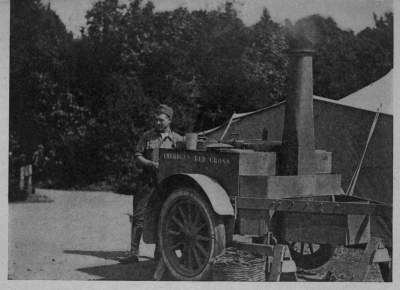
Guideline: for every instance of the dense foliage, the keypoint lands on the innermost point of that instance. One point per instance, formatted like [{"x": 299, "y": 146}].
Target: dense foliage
[
  {"x": 345, "y": 62},
  {"x": 88, "y": 99}
]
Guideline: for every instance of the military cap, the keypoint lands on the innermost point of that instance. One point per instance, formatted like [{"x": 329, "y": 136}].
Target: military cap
[{"x": 167, "y": 110}]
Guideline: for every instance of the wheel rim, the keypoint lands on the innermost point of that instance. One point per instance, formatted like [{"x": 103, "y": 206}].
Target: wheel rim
[{"x": 187, "y": 237}]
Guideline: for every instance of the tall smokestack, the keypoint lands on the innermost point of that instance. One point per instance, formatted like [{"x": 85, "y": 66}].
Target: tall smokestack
[{"x": 298, "y": 141}]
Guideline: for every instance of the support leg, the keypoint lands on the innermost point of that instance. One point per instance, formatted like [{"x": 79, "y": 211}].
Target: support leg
[
  {"x": 282, "y": 265},
  {"x": 276, "y": 267},
  {"x": 373, "y": 251}
]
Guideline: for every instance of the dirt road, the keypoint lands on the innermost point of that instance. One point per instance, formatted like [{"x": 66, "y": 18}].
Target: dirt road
[{"x": 79, "y": 236}]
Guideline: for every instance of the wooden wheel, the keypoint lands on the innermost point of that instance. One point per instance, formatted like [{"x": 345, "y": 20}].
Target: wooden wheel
[
  {"x": 308, "y": 255},
  {"x": 305, "y": 255},
  {"x": 190, "y": 234}
]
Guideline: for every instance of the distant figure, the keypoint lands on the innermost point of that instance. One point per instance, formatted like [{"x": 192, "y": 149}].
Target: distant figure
[
  {"x": 38, "y": 162},
  {"x": 147, "y": 150},
  {"x": 51, "y": 168},
  {"x": 25, "y": 177}
]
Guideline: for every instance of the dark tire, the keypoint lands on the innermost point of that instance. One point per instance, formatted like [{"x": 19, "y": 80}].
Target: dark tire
[
  {"x": 309, "y": 256},
  {"x": 190, "y": 234}
]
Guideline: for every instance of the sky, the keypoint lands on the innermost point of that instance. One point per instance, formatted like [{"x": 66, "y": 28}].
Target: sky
[{"x": 349, "y": 14}]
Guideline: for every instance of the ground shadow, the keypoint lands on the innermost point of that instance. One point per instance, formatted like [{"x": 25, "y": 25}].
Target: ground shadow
[
  {"x": 142, "y": 271},
  {"x": 107, "y": 255}
]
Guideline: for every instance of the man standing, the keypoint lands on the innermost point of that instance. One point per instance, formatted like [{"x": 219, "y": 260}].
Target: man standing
[
  {"x": 38, "y": 162},
  {"x": 146, "y": 154}
]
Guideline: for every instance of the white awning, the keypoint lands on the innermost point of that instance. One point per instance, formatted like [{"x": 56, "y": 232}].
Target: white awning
[{"x": 373, "y": 96}]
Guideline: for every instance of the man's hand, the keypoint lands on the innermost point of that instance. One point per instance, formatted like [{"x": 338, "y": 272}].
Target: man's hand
[
  {"x": 155, "y": 165},
  {"x": 152, "y": 164},
  {"x": 147, "y": 163}
]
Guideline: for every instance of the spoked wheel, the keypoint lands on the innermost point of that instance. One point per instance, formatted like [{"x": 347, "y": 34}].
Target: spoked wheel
[
  {"x": 308, "y": 255},
  {"x": 190, "y": 234}
]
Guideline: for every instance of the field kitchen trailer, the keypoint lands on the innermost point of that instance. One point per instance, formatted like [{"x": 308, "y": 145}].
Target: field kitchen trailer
[{"x": 285, "y": 191}]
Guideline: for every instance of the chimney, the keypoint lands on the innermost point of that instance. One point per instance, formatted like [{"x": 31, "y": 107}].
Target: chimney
[{"x": 297, "y": 156}]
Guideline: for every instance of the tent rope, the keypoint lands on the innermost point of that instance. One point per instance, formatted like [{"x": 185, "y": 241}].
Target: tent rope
[{"x": 353, "y": 181}]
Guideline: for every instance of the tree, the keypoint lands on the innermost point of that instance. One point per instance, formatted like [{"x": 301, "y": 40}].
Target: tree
[
  {"x": 39, "y": 72},
  {"x": 91, "y": 98},
  {"x": 375, "y": 52},
  {"x": 265, "y": 62},
  {"x": 335, "y": 74},
  {"x": 109, "y": 61},
  {"x": 345, "y": 62}
]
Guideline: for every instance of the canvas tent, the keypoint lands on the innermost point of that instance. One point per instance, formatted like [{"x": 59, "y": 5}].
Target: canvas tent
[
  {"x": 379, "y": 93},
  {"x": 341, "y": 127}
]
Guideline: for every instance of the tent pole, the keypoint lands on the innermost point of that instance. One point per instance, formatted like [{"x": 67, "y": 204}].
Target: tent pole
[
  {"x": 350, "y": 189},
  {"x": 227, "y": 128}
]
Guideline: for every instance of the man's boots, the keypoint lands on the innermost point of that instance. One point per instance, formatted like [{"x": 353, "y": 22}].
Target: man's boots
[
  {"x": 157, "y": 253},
  {"x": 136, "y": 235}
]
